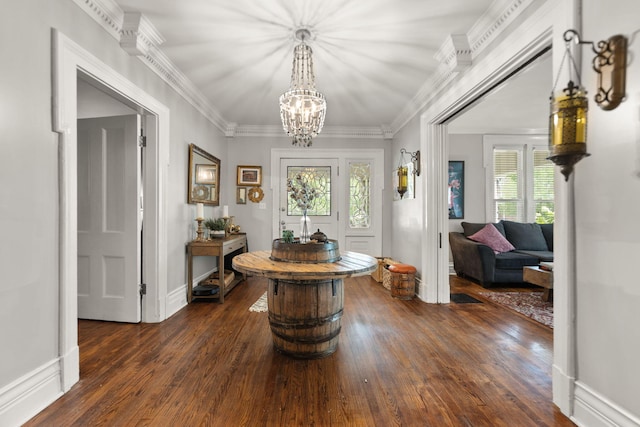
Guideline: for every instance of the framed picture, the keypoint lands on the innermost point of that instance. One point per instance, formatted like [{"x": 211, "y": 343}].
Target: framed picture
[
  {"x": 249, "y": 176},
  {"x": 206, "y": 174},
  {"x": 241, "y": 196},
  {"x": 456, "y": 189}
]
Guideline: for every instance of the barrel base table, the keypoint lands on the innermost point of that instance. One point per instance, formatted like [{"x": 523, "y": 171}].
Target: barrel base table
[{"x": 306, "y": 301}]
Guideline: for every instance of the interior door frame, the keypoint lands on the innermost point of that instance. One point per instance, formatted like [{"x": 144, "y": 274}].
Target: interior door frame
[
  {"x": 68, "y": 60},
  {"x": 542, "y": 29}
]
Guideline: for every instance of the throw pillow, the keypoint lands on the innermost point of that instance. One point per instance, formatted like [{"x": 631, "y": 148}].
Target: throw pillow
[
  {"x": 473, "y": 227},
  {"x": 491, "y": 237},
  {"x": 525, "y": 236}
]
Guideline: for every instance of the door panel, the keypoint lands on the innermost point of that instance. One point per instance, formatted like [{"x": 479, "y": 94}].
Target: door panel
[
  {"x": 109, "y": 226},
  {"x": 324, "y": 219}
]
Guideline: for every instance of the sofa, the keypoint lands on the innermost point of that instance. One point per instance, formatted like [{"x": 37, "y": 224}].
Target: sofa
[{"x": 495, "y": 253}]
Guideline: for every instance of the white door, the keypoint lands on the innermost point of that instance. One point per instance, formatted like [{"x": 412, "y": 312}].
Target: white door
[
  {"x": 322, "y": 174},
  {"x": 109, "y": 219}
]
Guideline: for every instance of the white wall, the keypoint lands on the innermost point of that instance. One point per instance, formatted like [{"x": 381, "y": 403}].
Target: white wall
[
  {"x": 607, "y": 195},
  {"x": 257, "y": 151},
  {"x": 468, "y": 148},
  {"x": 407, "y": 214},
  {"x": 29, "y": 253}
]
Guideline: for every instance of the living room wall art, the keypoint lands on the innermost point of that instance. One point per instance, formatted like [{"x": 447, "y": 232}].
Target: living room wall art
[{"x": 456, "y": 189}]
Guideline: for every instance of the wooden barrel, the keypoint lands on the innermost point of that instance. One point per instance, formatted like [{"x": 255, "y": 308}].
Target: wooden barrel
[
  {"x": 305, "y": 252},
  {"x": 305, "y": 316}
]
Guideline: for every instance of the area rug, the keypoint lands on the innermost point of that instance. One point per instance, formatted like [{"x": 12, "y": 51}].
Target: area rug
[
  {"x": 528, "y": 303},
  {"x": 260, "y": 305}
]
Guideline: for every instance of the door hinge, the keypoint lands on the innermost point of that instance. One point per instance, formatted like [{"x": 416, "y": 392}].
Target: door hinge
[
  {"x": 143, "y": 289},
  {"x": 142, "y": 141}
]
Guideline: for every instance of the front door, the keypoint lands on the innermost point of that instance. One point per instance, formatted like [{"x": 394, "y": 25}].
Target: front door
[
  {"x": 322, "y": 175},
  {"x": 109, "y": 219}
]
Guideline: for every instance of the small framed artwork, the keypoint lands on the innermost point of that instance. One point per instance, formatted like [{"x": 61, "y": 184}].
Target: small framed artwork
[
  {"x": 241, "y": 196},
  {"x": 249, "y": 176},
  {"x": 456, "y": 189}
]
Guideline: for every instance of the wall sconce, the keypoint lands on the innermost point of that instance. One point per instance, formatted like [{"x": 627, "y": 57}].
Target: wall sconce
[
  {"x": 568, "y": 118},
  {"x": 403, "y": 170}
]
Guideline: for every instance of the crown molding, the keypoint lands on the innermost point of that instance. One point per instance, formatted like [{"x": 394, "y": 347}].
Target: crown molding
[
  {"x": 111, "y": 17},
  {"x": 137, "y": 36},
  {"x": 487, "y": 28},
  {"x": 107, "y": 13},
  {"x": 341, "y": 132}
]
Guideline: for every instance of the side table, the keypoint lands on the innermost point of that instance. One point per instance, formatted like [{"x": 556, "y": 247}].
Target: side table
[{"x": 218, "y": 248}]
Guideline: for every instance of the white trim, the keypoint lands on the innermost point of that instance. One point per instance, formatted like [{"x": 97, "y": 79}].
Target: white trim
[
  {"x": 543, "y": 26},
  {"x": 68, "y": 57},
  {"x": 595, "y": 410},
  {"x": 30, "y": 394}
]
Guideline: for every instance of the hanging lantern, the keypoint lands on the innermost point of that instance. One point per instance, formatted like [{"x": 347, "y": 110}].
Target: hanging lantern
[
  {"x": 568, "y": 128},
  {"x": 403, "y": 179}
]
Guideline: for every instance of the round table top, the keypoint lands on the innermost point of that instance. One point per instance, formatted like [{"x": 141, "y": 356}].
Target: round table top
[{"x": 258, "y": 263}]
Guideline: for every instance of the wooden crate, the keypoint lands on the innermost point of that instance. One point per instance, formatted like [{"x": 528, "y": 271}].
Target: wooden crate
[{"x": 377, "y": 274}]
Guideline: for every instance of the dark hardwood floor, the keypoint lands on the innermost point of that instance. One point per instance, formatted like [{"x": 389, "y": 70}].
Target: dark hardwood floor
[{"x": 398, "y": 363}]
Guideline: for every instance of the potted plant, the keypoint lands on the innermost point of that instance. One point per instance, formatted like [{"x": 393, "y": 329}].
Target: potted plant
[{"x": 217, "y": 227}]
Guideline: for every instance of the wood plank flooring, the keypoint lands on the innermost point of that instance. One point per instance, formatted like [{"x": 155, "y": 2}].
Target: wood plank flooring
[{"x": 398, "y": 363}]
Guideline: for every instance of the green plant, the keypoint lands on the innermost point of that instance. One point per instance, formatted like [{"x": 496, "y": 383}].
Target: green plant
[{"x": 215, "y": 224}]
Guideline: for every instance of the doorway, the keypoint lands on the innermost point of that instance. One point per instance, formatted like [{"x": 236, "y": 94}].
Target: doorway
[
  {"x": 69, "y": 62},
  {"x": 357, "y": 186}
]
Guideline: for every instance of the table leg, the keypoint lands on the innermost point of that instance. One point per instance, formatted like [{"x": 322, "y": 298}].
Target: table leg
[
  {"x": 547, "y": 295},
  {"x": 221, "y": 277}
]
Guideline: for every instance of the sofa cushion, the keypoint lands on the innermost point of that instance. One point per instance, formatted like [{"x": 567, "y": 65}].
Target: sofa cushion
[
  {"x": 541, "y": 255},
  {"x": 514, "y": 261},
  {"x": 473, "y": 227},
  {"x": 526, "y": 236},
  {"x": 547, "y": 231},
  {"x": 490, "y": 236}
]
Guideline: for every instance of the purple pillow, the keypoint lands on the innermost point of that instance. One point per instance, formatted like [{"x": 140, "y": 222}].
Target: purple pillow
[{"x": 490, "y": 236}]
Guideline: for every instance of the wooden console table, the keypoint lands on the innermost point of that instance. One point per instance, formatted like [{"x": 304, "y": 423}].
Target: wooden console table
[{"x": 218, "y": 248}]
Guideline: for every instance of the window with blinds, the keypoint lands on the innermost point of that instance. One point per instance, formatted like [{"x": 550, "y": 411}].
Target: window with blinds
[
  {"x": 521, "y": 186},
  {"x": 543, "y": 187},
  {"x": 508, "y": 180}
]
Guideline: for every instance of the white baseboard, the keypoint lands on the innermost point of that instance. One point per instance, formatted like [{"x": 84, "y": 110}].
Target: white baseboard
[
  {"x": 22, "y": 399},
  {"x": 594, "y": 410},
  {"x": 177, "y": 299},
  {"x": 452, "y": 271}
]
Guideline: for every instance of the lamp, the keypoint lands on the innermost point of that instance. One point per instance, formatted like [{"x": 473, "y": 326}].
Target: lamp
[
  {"x": 403, "y": 170},
  {"x": 568, "y": 117},
  {"x": 302, "y": 108}
]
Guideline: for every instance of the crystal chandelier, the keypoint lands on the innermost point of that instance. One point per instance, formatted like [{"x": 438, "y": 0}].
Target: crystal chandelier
[{"x": 302, "y": 108}]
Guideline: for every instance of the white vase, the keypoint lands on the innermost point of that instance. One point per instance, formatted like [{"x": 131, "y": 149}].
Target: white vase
[{"x": 305, "y": 228}]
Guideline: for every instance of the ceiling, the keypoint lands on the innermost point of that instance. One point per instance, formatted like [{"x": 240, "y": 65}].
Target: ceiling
[{"x": 371, "y": 58}]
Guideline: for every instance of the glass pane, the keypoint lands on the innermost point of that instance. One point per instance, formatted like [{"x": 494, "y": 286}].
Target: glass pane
[
  {"x": 511, "y": 210},
  {"x": 545, "y": 212},
  {"x": 359, "y": 195},
  {"x": 507, "y": 174},
  {"x": 317, "y": 177}
]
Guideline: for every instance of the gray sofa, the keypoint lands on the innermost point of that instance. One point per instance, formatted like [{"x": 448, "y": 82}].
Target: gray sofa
[{"x": 533, "y": 243}]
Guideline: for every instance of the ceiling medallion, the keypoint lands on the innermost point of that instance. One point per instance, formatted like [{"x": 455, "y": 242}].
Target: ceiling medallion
[{"x": 302, "y": 108}]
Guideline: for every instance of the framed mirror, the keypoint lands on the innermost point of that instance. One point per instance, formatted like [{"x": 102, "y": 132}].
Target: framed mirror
[{"x": 204, "y": 177}]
